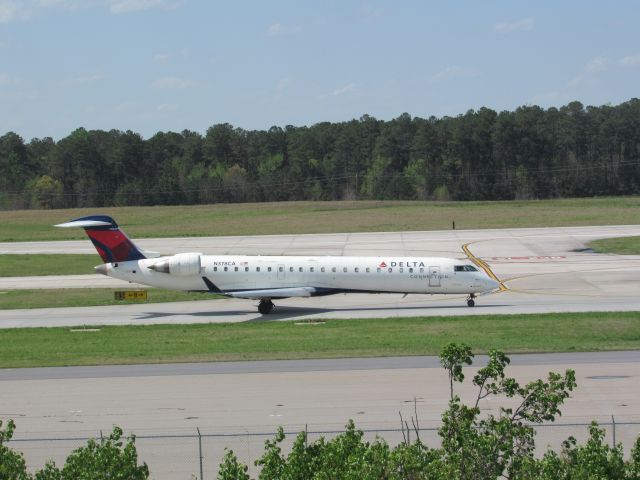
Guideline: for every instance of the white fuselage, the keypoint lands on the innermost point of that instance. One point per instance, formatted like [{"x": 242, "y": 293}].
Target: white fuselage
[{"x": 288, "y": 276}]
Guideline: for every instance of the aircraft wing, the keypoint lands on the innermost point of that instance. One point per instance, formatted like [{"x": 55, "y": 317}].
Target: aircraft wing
[{"x": 274, "y": 293}]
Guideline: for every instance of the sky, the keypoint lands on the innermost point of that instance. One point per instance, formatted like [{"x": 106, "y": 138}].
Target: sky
[{"x": 170, "y": 65}]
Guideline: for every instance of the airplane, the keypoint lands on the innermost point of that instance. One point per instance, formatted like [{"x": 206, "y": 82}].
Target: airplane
[{"x": 266, "y": 278}]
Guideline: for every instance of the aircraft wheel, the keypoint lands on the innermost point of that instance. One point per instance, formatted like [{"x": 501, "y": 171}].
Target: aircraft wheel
[
  {"x": 265, "y": 306},
  {"x": 470, "y": 302}
]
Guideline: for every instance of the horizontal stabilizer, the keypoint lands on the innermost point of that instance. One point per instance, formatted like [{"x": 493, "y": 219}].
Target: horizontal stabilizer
[
  {"x": 274, "y": 293},
  {"x": 84, "y": 224}
]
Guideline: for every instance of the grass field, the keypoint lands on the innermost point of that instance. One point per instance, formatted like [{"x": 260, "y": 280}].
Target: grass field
[
  {"x": 30, "y": 347},
  {"x": 621, "y": 245},
  {"x": 44, "y": 264},
  {"x": 86, "y": 297},
  {"x": 324, "y": 217}
]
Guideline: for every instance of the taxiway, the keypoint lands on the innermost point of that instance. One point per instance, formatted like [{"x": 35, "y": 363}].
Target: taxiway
[{"x": 545, "y": 270}]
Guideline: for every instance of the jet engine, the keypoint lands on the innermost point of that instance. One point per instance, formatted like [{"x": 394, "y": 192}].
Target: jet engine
[{"x": 181, "y": 265}]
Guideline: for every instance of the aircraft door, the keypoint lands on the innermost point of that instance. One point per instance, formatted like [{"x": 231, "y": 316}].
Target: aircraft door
[
  {"x": 280, "y": 272},
  {"x": 434, "y": 276}
]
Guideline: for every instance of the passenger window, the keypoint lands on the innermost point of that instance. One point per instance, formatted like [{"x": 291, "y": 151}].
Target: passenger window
[
  {"x": 356, "y": 269},
  {"x": 236, "y": 269},
  {"x": 311, "y": 269},
  {"x": 281, "y": 269},
  {"x": 300, "y": 269},
  {"x": 411, "y": 270},
  {"x": 246, "y": 269},
  {"x": 269, "y": 268},
  {"x": 390, "y": 269},
  {"x": 344, "y": 269},
  {"x": 215, "y": 269},
  {"x": 368, "y": 269},
  {"x": 421, "y": 270},
  {"x": 291, "y": 269},
  {"x": 225, "y": 269},
  {"x": 322, "y": 269},
  {"x": 379, "y": 269},
  {"x": 401, "y": 269},
  {"x": 333, "y": 269},
  {"x": 257, "y": 269}
]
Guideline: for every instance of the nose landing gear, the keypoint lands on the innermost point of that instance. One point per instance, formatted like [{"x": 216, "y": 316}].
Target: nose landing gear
[
  {"x": 470, "y": 300},
  {"x": 265, "y": 306}
]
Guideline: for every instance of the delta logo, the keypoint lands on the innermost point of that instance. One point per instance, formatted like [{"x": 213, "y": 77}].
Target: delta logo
[{"x": 404, "y": 263}]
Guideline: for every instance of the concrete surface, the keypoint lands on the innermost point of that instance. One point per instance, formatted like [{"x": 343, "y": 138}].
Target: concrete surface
[
  {"x": 436, "y": 242},
  {"x": 243, "y": 407},
  {"x": 541, "y": 267},
  {"x": 61, "y": 281}
]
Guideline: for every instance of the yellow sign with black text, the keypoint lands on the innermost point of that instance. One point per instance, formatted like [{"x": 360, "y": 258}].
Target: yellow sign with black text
[{"x": 131, "y": 295}]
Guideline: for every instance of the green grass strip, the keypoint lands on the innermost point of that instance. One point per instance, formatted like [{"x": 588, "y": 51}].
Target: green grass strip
[
  {"x": 31, "y": 347},
  {"x": 88, "y": 297},
  {"x": 47, "y": 264},
  {"x": 619, "y": 245},
  {"x": 323, "y": 217}
]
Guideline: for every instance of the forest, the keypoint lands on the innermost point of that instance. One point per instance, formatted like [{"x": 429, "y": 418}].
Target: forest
[{"x": 528, "y": 153}]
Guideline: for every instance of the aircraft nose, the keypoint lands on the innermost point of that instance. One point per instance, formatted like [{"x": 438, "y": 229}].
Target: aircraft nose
[
  {"x": 102, "y": 269},
  {"x": 492, "y": 284}
]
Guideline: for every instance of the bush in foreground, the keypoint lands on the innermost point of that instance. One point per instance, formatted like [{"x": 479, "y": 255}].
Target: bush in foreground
[
  {"x": 12, "y": 464},
  {"x": 472, "y": 446},
  {"x": 108, "y": 458}
]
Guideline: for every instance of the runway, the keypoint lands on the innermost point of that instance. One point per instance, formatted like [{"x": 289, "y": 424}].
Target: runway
[
  {"x": 240, "y": 404},
  {"x": 545, "y": 269}
]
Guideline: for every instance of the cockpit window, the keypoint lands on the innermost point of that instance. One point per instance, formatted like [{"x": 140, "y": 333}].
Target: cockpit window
[{"x": 464, "y": 268}]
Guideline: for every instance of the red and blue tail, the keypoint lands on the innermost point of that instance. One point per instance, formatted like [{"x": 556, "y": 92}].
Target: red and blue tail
[{"x": 111, "y": 243}]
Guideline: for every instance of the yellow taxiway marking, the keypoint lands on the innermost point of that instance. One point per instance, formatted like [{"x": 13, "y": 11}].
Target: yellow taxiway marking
[{"x": 484, "y": 266}]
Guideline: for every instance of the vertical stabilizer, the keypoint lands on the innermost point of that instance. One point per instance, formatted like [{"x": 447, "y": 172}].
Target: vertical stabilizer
[{"x": 111, "y": 243}]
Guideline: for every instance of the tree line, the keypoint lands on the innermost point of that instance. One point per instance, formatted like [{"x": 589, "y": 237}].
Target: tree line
[{"x": 529, "y": 153}]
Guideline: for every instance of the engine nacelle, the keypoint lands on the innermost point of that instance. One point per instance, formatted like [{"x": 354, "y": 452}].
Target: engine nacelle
[{"x": 181, "y": 265}]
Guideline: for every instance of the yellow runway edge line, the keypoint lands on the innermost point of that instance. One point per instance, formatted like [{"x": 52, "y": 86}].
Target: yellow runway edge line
[{"x": 484, "y": 266}]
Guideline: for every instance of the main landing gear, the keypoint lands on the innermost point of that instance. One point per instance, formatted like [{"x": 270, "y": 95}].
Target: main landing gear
[
  {"x": 470, "y": 300},
  {"x": 265, "y": 306}
]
